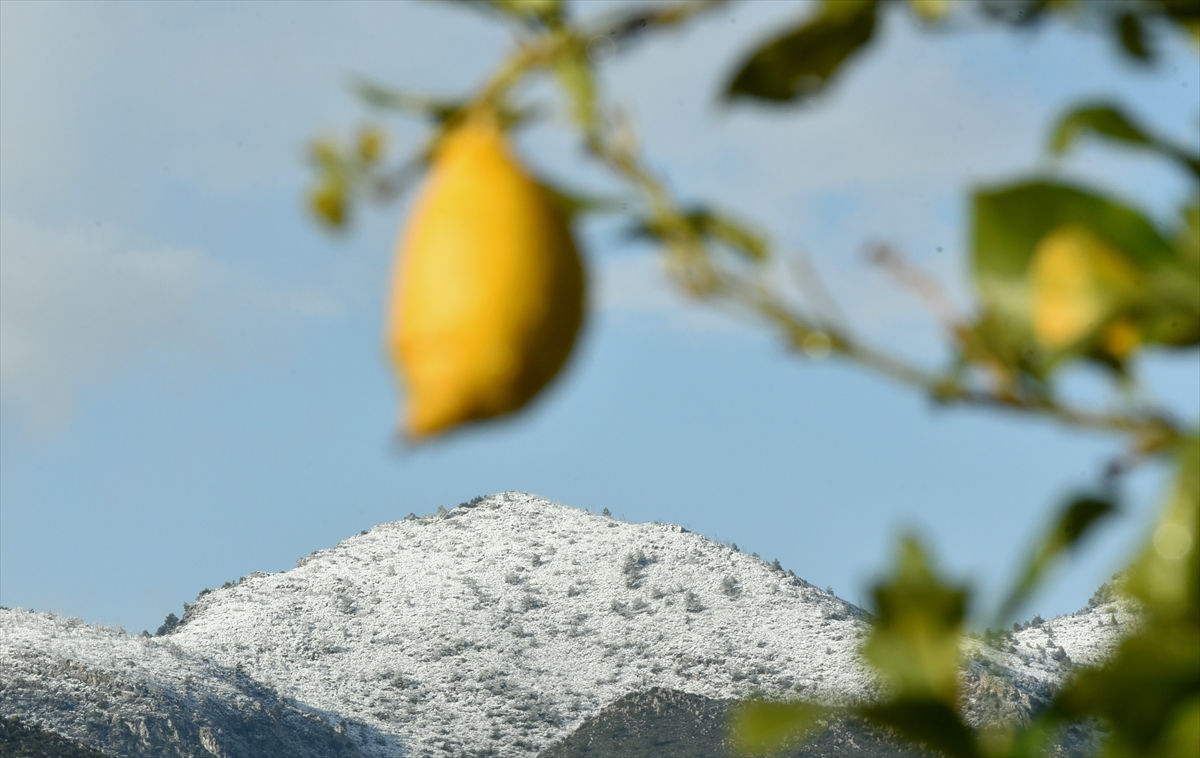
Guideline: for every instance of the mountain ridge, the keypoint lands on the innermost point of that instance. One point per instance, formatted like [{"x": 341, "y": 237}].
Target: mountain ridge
[{"x": 496, "y": 628}]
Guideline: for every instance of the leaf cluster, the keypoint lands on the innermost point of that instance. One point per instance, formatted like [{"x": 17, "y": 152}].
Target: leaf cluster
[{"x": 1064, "y": 274}]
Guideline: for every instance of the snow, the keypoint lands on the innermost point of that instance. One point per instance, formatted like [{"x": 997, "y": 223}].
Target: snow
[
  {"x": 504, "y": 625},
  {"x": 499, "y": 626}
]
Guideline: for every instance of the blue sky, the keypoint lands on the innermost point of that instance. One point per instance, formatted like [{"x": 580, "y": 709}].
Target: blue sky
[{"x": 191, "y": 376}]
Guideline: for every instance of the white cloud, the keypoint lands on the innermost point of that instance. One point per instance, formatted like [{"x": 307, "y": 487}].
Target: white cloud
[
  {"x": 78, "y": 305},
  {"x": 221, "y": 100}
]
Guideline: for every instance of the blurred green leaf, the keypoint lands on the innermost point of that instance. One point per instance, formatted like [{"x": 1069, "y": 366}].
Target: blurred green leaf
[
  {"x": 1187, "y": 240},
  {"x": 803, "y": 61},
  {"x": 546, "y": 11},
  {"x": 371, "y": 146},
  {"x": 1131, "y": 33},
  {"x": 327, "y": 200},
  {"x": 930, "y": 722},
  {"x": 1100, "y": 118},
  {"x": 1042, "y": 736},
  {"x": 328, "y": 203},
  {"x": 763, "y": 727},
  {"x": 1146, "y": 692},
  {"x": 914, "y": 643},
  {"x": 342, "y": 172},
  {"x": 1106, "y": 120},
  {"x": 931, "y": 11},
  {"x": 1149, "y": 691},
  {"x": 1175, "y": 287},
  {"x": 574, "y": 72},
  {"x": 1018, "y": 12},
  {"x": 538, "y": 13},
  {"x": 1075, "y": 520},
  {"x": 1184, "y": 13},
  {"x": 1166, "y": 577}
]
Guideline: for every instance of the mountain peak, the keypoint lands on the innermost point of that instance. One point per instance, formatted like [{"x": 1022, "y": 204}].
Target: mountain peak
[
  {"x": 493, "y": 628},
  {"x": 501, "y": 623}
]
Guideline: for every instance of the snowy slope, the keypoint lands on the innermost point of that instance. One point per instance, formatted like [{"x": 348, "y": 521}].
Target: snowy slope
[
  {"x": 494, "y": 629},
  {"x": 499, "y": 627},
  {"x": 144, "y": 696},
  {"x": 1011, "y": 679}
]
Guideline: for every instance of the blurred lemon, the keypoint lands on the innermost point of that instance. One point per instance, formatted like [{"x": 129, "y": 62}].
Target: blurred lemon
[
  {"x": 488, "y": 290},
  {"x": 1079, "y": 284}
]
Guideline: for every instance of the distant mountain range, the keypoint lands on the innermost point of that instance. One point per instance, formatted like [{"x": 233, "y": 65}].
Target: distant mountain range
[{"x": 509, "y": 626}]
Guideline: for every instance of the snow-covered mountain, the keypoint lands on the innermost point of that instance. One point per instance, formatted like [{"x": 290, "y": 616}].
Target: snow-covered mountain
[{"x": 495, "y": 628}]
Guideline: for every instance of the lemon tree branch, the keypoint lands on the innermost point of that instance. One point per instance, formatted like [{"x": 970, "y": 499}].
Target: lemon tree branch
[{"x": 694, "y": 266}]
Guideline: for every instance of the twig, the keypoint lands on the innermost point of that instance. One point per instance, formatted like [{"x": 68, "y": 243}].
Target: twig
[
  {"x": 701, "y": 275},
  {"x": 805, "y": 275},
  {"x": 632, "y": 24},
  {"x": 921, "y": 283}
]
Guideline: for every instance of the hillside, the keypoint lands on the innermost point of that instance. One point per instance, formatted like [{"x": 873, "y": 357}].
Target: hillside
[
  {"x": 500, "y": 626},
  {"x": 496, "y": 628},
  {"x": 662, "y": 723}
]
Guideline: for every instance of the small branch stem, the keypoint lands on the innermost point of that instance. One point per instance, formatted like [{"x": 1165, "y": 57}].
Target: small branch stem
[{"x": 698, "y": 271}]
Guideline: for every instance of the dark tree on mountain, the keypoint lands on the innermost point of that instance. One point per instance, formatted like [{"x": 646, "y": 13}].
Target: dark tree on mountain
[{"x": 168, "y": 625}]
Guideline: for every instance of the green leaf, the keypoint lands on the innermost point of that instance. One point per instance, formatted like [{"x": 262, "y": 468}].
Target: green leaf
[
  {"x": 372, "y": 143},
  {"x": 1075, "y": 520},
  {"x": 328, "y": 200},
  {"x": 930, "y": 722},
  {"x": 1149, "y": 690},
  {"x": 1042, "y": 736},
  {"x": 1187, "y": 240},
  {"x": 1166, "y": 576},
  {"x": 803, "y": 61},
  {"x": 1185, "y": 14},
  {"x": 1132, "y": 36},
  {"x": 535, "y": 13},
  {"x": 1100, "y": 118},
  {"x": 342, "y": 175},
  {"x": 546, "y": 11},
  {"x": 931, "y": 11},
  {"x": 1144, "y": 692},
  {"x": 1177, "y": 286},
  {"x": 328, "y": 203},
  {"x": 574, "y": 73},
  {"x": 914, "y": 644},
  {"x": 763, "y": 726},
  {"x": 1018, "y": 12},
  {"x": 1106, "y": 120}
]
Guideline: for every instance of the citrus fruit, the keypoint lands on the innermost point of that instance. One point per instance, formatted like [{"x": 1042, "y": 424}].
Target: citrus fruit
[
  {"x": 488, "y": 290},
  {"x": 1080, "y": 283}
]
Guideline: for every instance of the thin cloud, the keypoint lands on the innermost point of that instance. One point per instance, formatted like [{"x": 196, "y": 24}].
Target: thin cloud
[{"x": 79, "y": 305}]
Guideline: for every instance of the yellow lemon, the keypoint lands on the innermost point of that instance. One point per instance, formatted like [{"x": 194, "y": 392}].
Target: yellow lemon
[
  {"x": 488, "y": 289},
  {"x": 1079, "y": 282}
]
